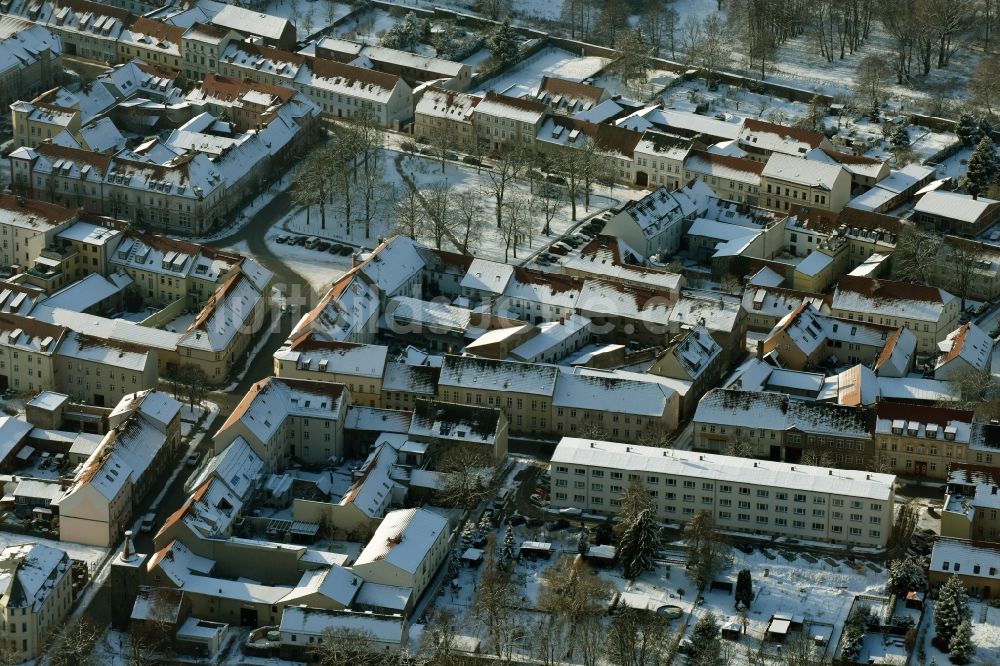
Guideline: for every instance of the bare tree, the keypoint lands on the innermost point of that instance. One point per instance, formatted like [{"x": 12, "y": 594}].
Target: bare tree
[
  {"x": 637, "y": 638},
  {"x": 984, "y": 84},
  {"x": 409, "y": 214},
  {"x": 443, "y": 141},
  {"x": 573, "y": 594},
  {"x": 961, "y": 260},
  {"x": 548, "y": 200},
  {"x": 344, "y": 647},
  {"x": 915, "y": 255},
  {"x": 509, "y": 166},
  {"x": 469, "y": 210},
  {"x": 471, "y": 477},
  {"x": 74, "y": 646},
  {"x": 495, "y": 605},
  {"x": 516, "y": 225},
  {"x": 907, "y": 516},
  {"x": 869, "y": 81},
  {"x": 705, "y": 553},
  {"x": 439, "y": 638},
  {"x": 817, "y": 458},
  {"x": 440, "y": 199}
]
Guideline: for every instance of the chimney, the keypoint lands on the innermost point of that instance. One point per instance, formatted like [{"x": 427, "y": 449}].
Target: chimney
[{"x": 128, "y": 548}]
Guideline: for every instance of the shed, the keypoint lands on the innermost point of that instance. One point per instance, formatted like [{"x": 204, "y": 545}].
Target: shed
[
  {"x": 600, "y": 555},
  {"x": 472, "y": 557},
  {"x": 536, "y": 549}
]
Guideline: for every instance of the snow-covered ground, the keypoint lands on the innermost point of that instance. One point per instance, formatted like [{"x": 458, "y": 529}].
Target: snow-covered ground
[
  {"x": 366, "y": 27},
  {"x": 550, "y": 61},
  {"x": 308, "y": 16},
  {"x": 985, "y": 635}
]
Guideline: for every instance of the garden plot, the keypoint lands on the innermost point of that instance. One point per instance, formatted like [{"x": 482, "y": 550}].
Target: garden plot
[
  {"x": 985, "y": 635},
  {"x": 366, "y": 27},
  {"x": 525, "y": 77}
]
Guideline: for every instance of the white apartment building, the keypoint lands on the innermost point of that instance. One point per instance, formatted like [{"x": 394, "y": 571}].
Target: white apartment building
[{"x": 744, "y": 495}]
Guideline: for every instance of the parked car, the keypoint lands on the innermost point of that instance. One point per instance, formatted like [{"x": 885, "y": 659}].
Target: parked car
[
  {"x": 281, "y": 239},
  {"x": 323, "y": 246},
  {"x": 192, "y": 459},
  {"x": 346, "y": 250},
  {"x": 148, "y": 521},
  {"x": 336, "y": 248},
  {"x": 983, "y": 307},
  {"x": 299, "y": 240},
  {"x": 561, "y": 251}
]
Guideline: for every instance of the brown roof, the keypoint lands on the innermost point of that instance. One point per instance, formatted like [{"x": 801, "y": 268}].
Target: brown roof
[
  {"x": 97, "y": 8},
  {"x": 33, "y": 327},
  {"x": 99, "y": 161},
  {"x": 54, "y": 213},
  {"x": 922, "y": 413},
  {"x": 888, "y": 349},
  {"x": 878, "y": 288},
  {"x": 737, "y": 163},
  {"x": 608, "y": 137},
  {"x": 762, "y": 126},
  {"x": 308, "y": 342},
  {"x": 331, "y": 69},
  {"x": 572, "y": 89},
  {"x": 209, "y": 29},
  {"x": 848, "y": 158},
  {"x": 957, "y": 343},
  {"x": 229, "y": 89},
  {"x": 554, "y": 281},
  {"x": 516, "y": 102},
  {"x": 158, "y": 29}
]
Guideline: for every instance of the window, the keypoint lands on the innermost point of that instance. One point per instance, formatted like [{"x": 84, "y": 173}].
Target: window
[
  {"x": 689, "y": 484},
  {"x": 800, "y": 498},
  {"x": 818, "y": 527},
  {"x": 780, "y": 522},
  {"x": 653, "y": 479},
  {"x": 744, "y": 491},
  {"x": 762, "y": 493},
  {"x": 743, "y": 517},
  {"x": 725, "y": 489}
]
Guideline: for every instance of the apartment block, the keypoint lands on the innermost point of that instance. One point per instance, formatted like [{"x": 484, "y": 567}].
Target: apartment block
[{"x": 745, "y": 495}]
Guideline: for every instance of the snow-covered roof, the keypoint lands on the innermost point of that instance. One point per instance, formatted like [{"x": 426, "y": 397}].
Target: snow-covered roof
[
  {"x": 599, "y": 297},
  {"x": 403, "y": 539},
  {"x": 441, "y": 103},
  {"x": 707, "y": 466},
  {"x": 88, "y": 233},
  {"x": 512, "y": 108},
  {"x": 270, "y": 401},
  {"x": 550, "y": 335},
  {"x": 346, "y": 358},
  {"x": 489, "y": 276},
  {"x": 884, "y": 297},
  {"x": 661, "y": 209},
  {"x": 927, "y": 423},
  {"x": 404, "y": 377},
  {"x": 490, "y": 375},
  {"x": 224, "y": 315},
  {"x": 952, "y": 205},
  {"x": 238, "y": 466},
  {"x": 695, "y": 351},
  {"x": 803, "y": 172},
  {"x": 88, "y": 292},
  {"x": 337, "y": 584},
  {"x": 113, "y": 330},
  {"x": 393, "y": 264},
  {"x": 714, "y": 311},
  {"x": 774, "y": 138},
  {"x": 732, "y": 240},
  {"x": 22, "y": 43},
  {"x": 682, "y": 121},
  {"x": 917, "y": 388},
  {"x": 373, "y": 419},
  {"x": 32, "y": 577},
  {"x": 372, "y": 490},
  {"x": 966, "y": 558},
  {"x": 389, "y": 597},
  {"x": 546, "y": 288},
  {"x": 765, "y": 277},
  {"x": 814, "y": 263},
  {"x": 39, "y": 489},
  {"x": 776, "y": 411},
  {"x": 724, "y": 167},
  {"x": 611, "y": 394},
  {"x": 256, "y": 23},
  {"x": 403, "y": 313},
  {"x": 316, "y": 622},
  {"x": 13, "y": 431},
  {"x": 968, "y": 343},
  {"x": 98, "y": 350}
]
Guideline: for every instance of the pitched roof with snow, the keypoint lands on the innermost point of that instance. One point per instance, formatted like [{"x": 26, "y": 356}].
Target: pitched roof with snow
[
  {"x": 954, "y": 206},
  {"x": 28, "y": 574},
  {"x": 770, "y": 137},
  {"x": 489, "y": 375},
  {"x": 270, "y": 401},
  {"x": 403, "y": 539},
  {"x": 860, "y": 294},
  {"x": 802, "y": 172},
  {"x": 776, "y": 411},
  {"x": 968, "y": 343},
  {"x": 611, "y": 394}
]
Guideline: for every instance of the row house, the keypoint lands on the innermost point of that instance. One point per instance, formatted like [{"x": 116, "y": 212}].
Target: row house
[
  {"x": 930, "y": 313},
  {"x": 414, "y": 68},
  {"x": 36, "y": 582},
  {"x": 445, "y": 118},
  {"x": 157, "y": 43},
  {"x": 731, "y": 178},
  {"x": 202, "y": 45},
  {"x": 28, "y": 227},
  {"x": 779, "y": 427},
  {"x": 760, "y": 140},
  {"x": 653, "y": 224},
  {"x": 613, "y": 147},
  {"x": 766, "y": 305},
  {"x": 501, "y": 119},
  {"x": 921, "y": 441},
  {"x": 273, "y": 31},
  {"x": 788, "y": 183},
  {"x": 975, "y": 563},
  {"x": 359, "y": 367}
]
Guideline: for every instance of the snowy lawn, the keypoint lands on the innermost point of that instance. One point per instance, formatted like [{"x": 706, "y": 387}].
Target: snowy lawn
[
  {"x": 985, "y": 635},
  {"x": 305, "y": 14}
]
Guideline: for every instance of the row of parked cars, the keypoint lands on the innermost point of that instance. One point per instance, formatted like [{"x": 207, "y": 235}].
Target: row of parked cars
[
  {"x": 567, "y": 244},
  {"x": 314, "y": 243}
]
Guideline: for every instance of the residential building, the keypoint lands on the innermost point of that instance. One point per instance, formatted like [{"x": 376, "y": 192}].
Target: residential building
[
  {"x": 760, "y": 140},
  {"x": 921, "y": 441},
  {"x": 406, "y": 550},
  {"x": 976, "y": 563},
  {"x": 745, "y": 495},
  {"x": 563, "y": 137},
  {"x": 359, "y": 367},
  {"x": 36, "y": 594},
  {"x": 622, "y": 408},
  {"x": 955, "y": 213},
  {"x": 972, "y": 501},
  {"x": 289, "y": 419},
  {"x": 930, "y": 313},
  {"x": 966, "y": 351},
  {"x": 653, "y": 224},
  {"x": 788, "y": 183},
  {"x": 155, "y": 42},
  {"x": 414, "y": 68},
  {"x": 806, "y": 339},
  {"x": 779, "y": 427},
  {"x": 568, "y": 97},
  {"x": 29, "y": 59},
  {"x": 447, "y": 427},
  {"x": 28, "y": 227},
  {"x": 302, "y": 629},
  {"x": 610, "y": 259},
  {"x": 731, "y": 178},
  {"x": 766, "y": 305},
  {"x": 445, "y": 119},
  {"x": 523, "y": 390},
  {"x": 202, "y": 45},
  {"x": 692, "y": 356},
  {"x": 501, "y": 120},
  {"x": 273, "y": 31}
]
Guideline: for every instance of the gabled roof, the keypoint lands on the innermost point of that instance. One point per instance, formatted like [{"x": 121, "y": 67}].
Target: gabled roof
[
  {"x": 403, "y": 539},
  {"x": 771, "y": 137},
  {"x": 803, "y": 172}
]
